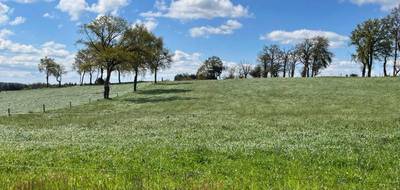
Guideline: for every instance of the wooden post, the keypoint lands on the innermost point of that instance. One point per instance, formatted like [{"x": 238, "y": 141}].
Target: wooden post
[
  {"x": 44, "y": 108},
  {"x": 9, "y": 112},
  {"x": 90, "y": 100},
  {"x": 70, "y": 105},
  {"x": 117, "y": 94}
]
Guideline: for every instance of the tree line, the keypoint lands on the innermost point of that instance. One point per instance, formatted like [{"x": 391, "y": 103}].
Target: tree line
[
  {"x": 378, "y": 40},
  {"x": 111, "y": 44}
]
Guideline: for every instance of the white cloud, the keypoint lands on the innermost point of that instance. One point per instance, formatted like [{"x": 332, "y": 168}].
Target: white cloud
[
  {"x": 385, "y": 4},
  {"x": 293, "y": 37},
  {"x": 198, "y": 9},
  {"x": 4, "y": 12},
  {"x": 108, "y": 6},
  {"x": 342, "y": 68},
  {"x": 149, "y": 23},
  {"x": 18, "y": 20},
  {"x": 4, "y": 33},
  {"x": 228, "y": 28},
  {"x": 74, "y": 8},
  {"x": 48, "y": 15}
]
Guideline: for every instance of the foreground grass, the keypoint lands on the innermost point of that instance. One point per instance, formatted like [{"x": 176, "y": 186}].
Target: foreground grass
[
  {"x": 29, "y": 101},
  {"x": 241, "y": 134}
]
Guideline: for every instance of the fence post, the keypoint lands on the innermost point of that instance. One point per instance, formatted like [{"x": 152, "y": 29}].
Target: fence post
[
  {"x": 90, "y": 100},
  {"x": 44, "y": 108},
  {"x": 70, "y": 105},
  {"x": 9, "y": 112}
]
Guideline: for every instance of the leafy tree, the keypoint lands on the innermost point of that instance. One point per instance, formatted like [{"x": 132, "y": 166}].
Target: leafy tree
[
  {"x": 59, "y": 71},
  {"x": 321, "y": 56},
  {"x": 139, "y": 45},
  {"x": 161, "y": 58},
  {"x": 304, "y": 54},
  {"x": 47, "y": 65},
  {"x": 103, "y": 36},
  {"x": 369, "y": 39},
  {"x": 211, "y": 69},
  {"x": 257, "y": 71},
  {"x": 292, "y": 62},
  {"x": 85, "y": 62},
  {"x": 270, "y": 58},
  {"x": 393, "y": 26}
]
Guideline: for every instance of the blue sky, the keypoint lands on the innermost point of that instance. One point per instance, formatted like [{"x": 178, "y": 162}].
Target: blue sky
[{"x": 235, "y": 30}]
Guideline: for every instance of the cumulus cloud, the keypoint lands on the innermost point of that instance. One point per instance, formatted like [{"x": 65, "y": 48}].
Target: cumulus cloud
[
  {"x": 385, "y": 4},
  {"x": 18, "y": 20},
  {"x": 228, "y": 28},
  {"x": 48, "y": 15},
  {"x": 25, "y": 57},
  {"x": 149, "y": 23},
  {"x": 293, "y": 37},
  {"x": 77, "y": 7},
  {"x": 198, "y": 9},
  {"x": 73, "y": 8}
]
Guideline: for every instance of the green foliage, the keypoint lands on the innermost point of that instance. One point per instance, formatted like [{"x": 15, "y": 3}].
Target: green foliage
[
  {"x": 322, "y": 133},
  {"x": 211, "y": 69}
]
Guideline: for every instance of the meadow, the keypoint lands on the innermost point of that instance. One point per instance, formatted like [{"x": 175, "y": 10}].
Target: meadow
[
  {"x": 334, "y": 133},
  {"x": 31, "y": 101}
]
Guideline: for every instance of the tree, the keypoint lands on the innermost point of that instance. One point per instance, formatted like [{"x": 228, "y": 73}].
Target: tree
[
  {"x": 393, "y": 24},
  {"x": 47, "y": 65},
  {"x": 161, "y": 58},
  {"x": 270, "y": 59},
  {"x": 85, "y": 62},
  {"x": 256, "y": 72},
  {"x": 231, "y": 72},
  {"x": 292, "y": 63},
  {"x": 139, "y": 45},
  {"x": 211, "y": 69},
  {"x": 59, "y": 71},
  {"x": 102, "y": 35},
  {"x": 244, "y": 69},
  {"x": 321, "y": 56},
  {"x": 304, "y": 54},
  {"x": 369, "y": 41}
]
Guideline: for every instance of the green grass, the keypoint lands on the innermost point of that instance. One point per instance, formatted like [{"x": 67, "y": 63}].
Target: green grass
[
  {"x": 28, "y": 101},
  {"x": 333, "y": 133}
]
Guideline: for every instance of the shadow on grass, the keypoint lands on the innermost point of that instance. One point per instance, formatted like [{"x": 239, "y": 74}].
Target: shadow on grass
[
  {"x": 163, "y": 91},
  {"x": 157, "y": 99},
  {"x": 174, "y": 83}
]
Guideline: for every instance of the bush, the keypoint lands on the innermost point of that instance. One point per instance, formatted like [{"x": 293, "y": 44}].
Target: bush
[
  {"x": 99, "y": 81},
  {"x": 11, "y": 86},
  {"x": 185, "y": 76}
]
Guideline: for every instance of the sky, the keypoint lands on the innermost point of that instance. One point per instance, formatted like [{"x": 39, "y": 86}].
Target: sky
[{"x": 193, "y": 30}]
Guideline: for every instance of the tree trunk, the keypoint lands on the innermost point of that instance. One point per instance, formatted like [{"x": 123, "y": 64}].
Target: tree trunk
[
  {"x": 395, "y": 57},
  {"x": 135, "y": 80},
  {"x": 107, "y": 85},
  {"x": 47, "y": 80},
  {"x": 305, "y": 70},
  {"x": 101, "y": 73},
  {"x": 384, "y": 67},
  {"x": 119, "y": 76},
  {"x": 284, "y": 69},
  {"x": 83, "y": 78},
  {"x": 90, "y": 78},
  {"x": 155, "y": 76},
  {"x": 370, "y": 65},
  {"x": 364, "y": 70},
  {"x": 293, "y": 70}
]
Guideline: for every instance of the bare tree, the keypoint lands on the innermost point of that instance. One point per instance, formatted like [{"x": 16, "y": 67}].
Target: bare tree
[{"x": 245, "y": 69}]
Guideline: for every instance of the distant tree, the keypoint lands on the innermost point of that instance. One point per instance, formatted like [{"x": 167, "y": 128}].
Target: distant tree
[
  {"x": 231, "y": 72},
  {"x": 393, "y": 28},
  {"x": 304, "y": 53},
  {"x": 270, "y": 58},
  {"x": 59, "y": 71},
  {"x": 102, "y": 35},
  {"x": 211, "y": 69},
  {"x": 47, "y": 65},
  {"x": 369, "y": 40},
  {"x": 257, "y": 71},
  {"x": 85, "y": 62},
  {"x": 185, "y": 76},
  {"x": 244, "y": 69},
  {"x": 321, "y": 56},
  {"x": 292, "y": 62},
  {"x": 161, "y": 58}
]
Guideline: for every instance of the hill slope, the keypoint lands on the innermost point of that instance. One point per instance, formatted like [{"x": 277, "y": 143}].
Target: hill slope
[{"x": 274, "y": 133}]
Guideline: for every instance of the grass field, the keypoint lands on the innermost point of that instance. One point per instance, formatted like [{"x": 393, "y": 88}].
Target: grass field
[
  {"x": 333, "y": 133},
  {"x": 28, "y": 101}
]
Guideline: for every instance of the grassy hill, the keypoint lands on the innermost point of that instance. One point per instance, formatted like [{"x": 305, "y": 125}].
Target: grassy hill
[{"x": 241, "y": 134}]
